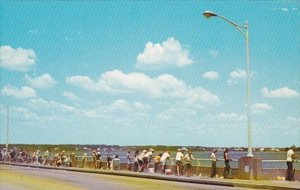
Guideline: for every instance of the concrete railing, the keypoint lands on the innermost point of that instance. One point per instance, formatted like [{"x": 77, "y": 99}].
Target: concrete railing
[
  {"x": 200, "y": 167},
  {"x": 204, "y": 170}
]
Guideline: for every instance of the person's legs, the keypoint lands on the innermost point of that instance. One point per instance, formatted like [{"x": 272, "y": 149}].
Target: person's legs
[
  {"x": 178, "y": 168},
  {"x": 189, "y": 168},
  {"x": 213, "y": 169},
  {"x": 163, "y": 166},
  {"x": 226, "y": 169},
  {"x": 289, "y": 173}
]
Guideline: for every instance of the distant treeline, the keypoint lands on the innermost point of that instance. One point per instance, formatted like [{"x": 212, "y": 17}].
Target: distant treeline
[{"x": 76, "y": 147}]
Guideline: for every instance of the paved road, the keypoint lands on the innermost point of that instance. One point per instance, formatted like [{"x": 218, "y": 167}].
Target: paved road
[{"x": 26, "y": 178}]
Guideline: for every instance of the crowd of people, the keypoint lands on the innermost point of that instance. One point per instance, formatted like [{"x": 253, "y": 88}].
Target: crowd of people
[
  {"x": 143, "y": 161},
  {"x": 37, "y": 157}
]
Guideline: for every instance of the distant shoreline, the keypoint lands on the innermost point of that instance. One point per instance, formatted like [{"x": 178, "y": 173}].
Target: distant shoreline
[{"x": 136, "y": 147}]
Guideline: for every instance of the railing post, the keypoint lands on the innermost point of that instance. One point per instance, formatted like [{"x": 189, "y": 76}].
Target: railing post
[{"x": 250, "y": 168}]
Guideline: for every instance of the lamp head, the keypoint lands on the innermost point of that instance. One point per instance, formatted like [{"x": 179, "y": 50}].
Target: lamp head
[{"x": 209, "y": 14}]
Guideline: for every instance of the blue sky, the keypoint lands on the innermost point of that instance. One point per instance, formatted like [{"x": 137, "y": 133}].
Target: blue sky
[{"x": 138, "y": 73}]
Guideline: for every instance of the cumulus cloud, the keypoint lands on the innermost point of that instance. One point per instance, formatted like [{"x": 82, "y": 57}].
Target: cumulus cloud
[
  {"x": 293, "y": 121},
  {"x": 214, "y": 53},
  {"x": 236, "y": 76},
  {"x": 24, "y": 113},
  {"x": 211, "y": 75},
  {"x": 284, "y": 92},
  {"x": 167, "y": 54},
  {"x": 261, "y": 107},
  {"x": 33, "y": 31},
  {"x": 22, "y": 93},
  {"x": 17, "y": 59},
  {"x": 163, "y": 86},
  {"x": 225, "y": 117},
  {"x": 284, "y": 9},
  {"x": 53, "y": 107},
  {"x": 44, "y": 81},
  {"x": 70, "y": 96}
]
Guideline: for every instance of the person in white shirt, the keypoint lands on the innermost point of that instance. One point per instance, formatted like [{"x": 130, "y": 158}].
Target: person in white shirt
[
  {"x": 115, "y": 164},
  {"x": 163, "y": 159},
  {"x": 148, "y": 158},
  {"x": 213, "y": 163},
  {"x": 179, "y": 165},
  {"x": 289, "y": 161},
  {"x": 188, "y": 165},
  {"x": 141, "y": 160}
]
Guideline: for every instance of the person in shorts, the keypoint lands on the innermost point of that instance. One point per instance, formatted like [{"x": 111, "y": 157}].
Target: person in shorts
[{"x": 179, "y": 165}]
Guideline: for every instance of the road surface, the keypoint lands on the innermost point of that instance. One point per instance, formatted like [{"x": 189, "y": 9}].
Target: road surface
[{"x": 27, "y": 178}]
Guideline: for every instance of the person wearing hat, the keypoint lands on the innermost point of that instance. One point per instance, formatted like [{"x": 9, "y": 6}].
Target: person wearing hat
[
  {"x": 165, "y": 156},
  {"x": 98, "y": 159},
  {"x": 84, "y": 160},
  {"x": 141, "y": 160},
  {"x": 188, "y": 158},
  {"x": 148, "y": 158},
  {"x": 289, "y": 161},
  {"x": 156, "y": 162},
  {"x": 213, "y": 163},
  {"x": 179, "y": 165}
]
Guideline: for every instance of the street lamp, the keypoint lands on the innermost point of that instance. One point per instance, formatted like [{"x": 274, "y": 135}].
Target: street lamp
[{"x": 243, "y": 29}]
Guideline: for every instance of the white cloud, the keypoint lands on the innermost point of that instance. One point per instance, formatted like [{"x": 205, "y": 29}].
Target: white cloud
[
  {"x": 120, "y": 105},
  {"x": 17, "y": 59},
  {"x": 44, "y": 81},
  {"x": 211, "y": 75},
  {"x": 33, "y": 31},
  {"x": 49, "y": 106},
  {"x": 261, "y": 107},
  {"x": 284, "y": 92},
  {"x": 214, "y": 53},
  {"x": 163, "y": 86},
  {"x": 225, "y": 117},
  {"x": 167, "y": 54},
  {"x": 141, "y": 106},
  {"x": 87, "y": 83},
  {"x": 70, "y": 96},
  {"x": 284, "y": 9},
  {"x": 24, "y": 113},
  {"x": 22, "y": 93},
  {"x": 292, "y": 121},
  {"x": 237, "y": 75}
]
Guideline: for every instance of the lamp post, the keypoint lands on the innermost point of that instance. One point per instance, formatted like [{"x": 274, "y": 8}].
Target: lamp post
[
  {"x": 243, "y": 29},
  {"x": 7, "y": 128}
]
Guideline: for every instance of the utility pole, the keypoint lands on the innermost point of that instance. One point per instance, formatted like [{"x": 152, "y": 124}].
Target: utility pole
[{"x": 7, "y": 127}]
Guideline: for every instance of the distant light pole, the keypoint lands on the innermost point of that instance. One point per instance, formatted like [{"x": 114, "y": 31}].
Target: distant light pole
[
  {"x": 243, "y": 29},
  {"x": 7, "y": 128}
]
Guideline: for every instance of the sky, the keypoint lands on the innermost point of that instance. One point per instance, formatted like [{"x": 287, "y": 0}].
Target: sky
[{"x": 149, "y": 73}]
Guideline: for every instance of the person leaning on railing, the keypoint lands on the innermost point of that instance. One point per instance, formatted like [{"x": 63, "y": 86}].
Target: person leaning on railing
[
  {"x": 289, "y": 161},
  {"x": 188, "y": 158}
]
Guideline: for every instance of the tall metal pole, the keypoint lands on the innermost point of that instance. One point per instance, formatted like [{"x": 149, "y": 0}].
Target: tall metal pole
[
  {"x": 249, "y": 125},
  {"x": 7, "y": 127},
  {"x": 244, "y": 30}
]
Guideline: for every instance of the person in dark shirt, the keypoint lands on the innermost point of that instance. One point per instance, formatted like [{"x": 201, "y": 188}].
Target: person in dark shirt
[{"x": 227, "y": 169}]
